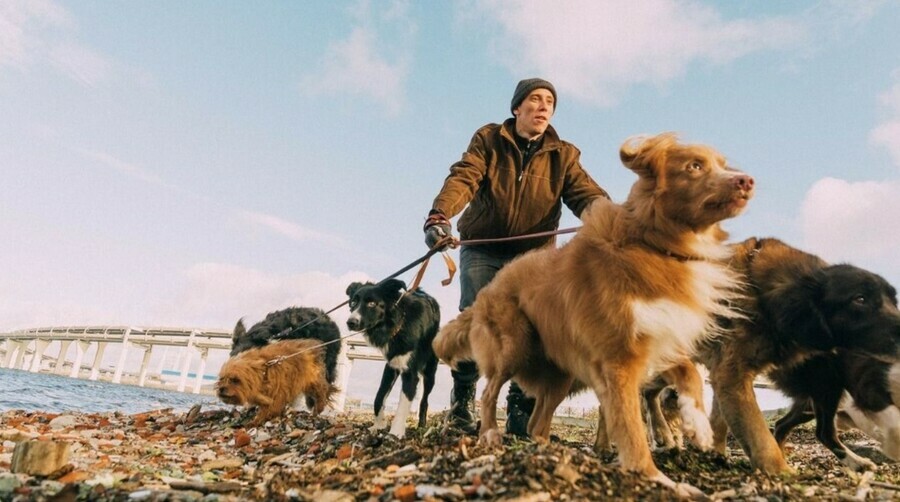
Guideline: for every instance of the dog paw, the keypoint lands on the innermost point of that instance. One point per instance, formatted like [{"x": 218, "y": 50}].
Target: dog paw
[
  {"x": 682, "y": 490},
  {"x": 695, "y": 425},
  {"x": 688, "y": 491},
  {"x": 490, "y": 437},
  {"x": 858, "y": 463},
  {"x": 380, "y": 424},
  {"x": 399, "y": 433}
]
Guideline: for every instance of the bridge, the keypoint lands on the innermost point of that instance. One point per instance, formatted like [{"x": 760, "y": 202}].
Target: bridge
[{"x": 27, "y": 350}]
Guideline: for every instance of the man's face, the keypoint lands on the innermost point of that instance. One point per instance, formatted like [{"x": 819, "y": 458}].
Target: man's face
[{"x": 533, "y": 115}]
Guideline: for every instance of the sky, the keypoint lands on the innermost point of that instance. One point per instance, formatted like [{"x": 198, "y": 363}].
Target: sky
[{"x": 192, "y": 163}]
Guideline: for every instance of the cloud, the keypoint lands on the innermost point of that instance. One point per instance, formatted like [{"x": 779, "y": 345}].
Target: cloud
[
  {"x": 597, "y": 50},
  {"x": 20, "y": 24},
  {"x": 35, "y": 31},
  {"x": 854, "y": 222},
  {"x": 123, "y": 167},
  {"x": 359, "y": 65},
  {"x": 289, "y": 229},
  {"x": 80, "y": 64},
  {"x": 887, "y": 134},
  {"x": 218, "y": 294}
]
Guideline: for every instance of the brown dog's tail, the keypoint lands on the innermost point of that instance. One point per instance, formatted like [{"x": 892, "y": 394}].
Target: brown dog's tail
[{"x": 452, "y": 342}]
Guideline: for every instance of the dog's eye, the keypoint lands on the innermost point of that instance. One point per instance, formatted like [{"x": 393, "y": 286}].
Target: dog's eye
[
  {"x": 370, "y": 305},
  {"x": 859, "y": 300},
  {"x": 695, "y": 166}
]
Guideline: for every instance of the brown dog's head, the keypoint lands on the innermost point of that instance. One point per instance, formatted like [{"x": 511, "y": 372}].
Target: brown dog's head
[
  {"x": 691, "y": 185},
  {"x": 240, "y": 381}
]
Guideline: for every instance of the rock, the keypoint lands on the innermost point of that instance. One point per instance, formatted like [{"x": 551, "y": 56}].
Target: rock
[
  {"x": 241, "y": 438},
  {"x": 432, "y": 491},
  {"x": 15, "y": 436},
  {"x": 39, "y": 458},
  {"x": 344, "y": 452},
  {"x": 333, "y": 496},
  {"x": 405, "y": 493},
  {"x": 140, "y": 495},
  {"x": 567, "y": 472},
  {"x": 9, "y": 482},
  {"x": 50, "y": 487},
  {"x": 222, "y": 463},
  {"x": 63, "y": 421},
  {"x": 199, "y": 486}
]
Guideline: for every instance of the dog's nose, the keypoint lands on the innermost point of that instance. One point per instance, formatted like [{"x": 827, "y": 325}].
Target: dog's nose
[
  {"x": 744, "y": 182},
  {"x": 353, "y": 324}
]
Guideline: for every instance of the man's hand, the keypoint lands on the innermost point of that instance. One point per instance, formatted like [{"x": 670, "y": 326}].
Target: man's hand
[{"x": 437, "y": 226}]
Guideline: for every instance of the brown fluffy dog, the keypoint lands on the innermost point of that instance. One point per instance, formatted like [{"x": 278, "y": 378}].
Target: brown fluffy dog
[
  {"x": 273, "y": 376},
  {"x": 798, "y": 307},
  {"x": 628, "y": 296}
]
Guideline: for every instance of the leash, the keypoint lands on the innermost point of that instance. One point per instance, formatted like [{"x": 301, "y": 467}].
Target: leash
[
  {"x": 279, "y": 359},
  {"x": 439, "y": 247}
]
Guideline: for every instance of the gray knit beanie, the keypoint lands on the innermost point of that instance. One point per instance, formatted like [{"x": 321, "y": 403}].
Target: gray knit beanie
[{"x": 526, "y": 86}]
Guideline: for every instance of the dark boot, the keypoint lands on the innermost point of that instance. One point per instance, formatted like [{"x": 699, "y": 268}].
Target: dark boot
[
  {"x": 518, "y": 411},
  {"x": 462, "y": 398}
]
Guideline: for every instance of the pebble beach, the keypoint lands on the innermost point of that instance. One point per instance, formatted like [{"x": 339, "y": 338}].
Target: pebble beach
[{"x": 209, "y": 455}]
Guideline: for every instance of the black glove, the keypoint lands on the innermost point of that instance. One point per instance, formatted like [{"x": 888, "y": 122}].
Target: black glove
[{"x": 437, "y": 226}]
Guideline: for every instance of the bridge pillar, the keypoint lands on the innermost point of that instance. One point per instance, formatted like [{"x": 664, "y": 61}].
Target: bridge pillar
[
  {"x": 120, "y": 366},
  {"x": 186, "y": 363},
  {"x": 39, "y": 347},
  {"x": 98, "y": 360},
  {"x": 21, "y": 350},
  {"x": 145, "y": 362},
  {"x": 81, "y": 347},
  {"x": 342, "y": 379},
  {"x": 59, "y": 366},
  {"x": 11, "y": 348},
  {"x": 204, "y": 352}
]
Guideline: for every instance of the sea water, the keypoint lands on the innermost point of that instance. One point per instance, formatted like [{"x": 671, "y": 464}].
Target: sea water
[{"x": 24, "y": 390}]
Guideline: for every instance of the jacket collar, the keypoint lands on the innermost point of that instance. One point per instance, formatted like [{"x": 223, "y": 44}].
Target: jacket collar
[{"x": 508, "y": 131}]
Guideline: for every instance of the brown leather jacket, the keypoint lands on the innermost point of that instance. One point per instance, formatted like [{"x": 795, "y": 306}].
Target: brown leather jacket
[{"x": 505, "y": 201}]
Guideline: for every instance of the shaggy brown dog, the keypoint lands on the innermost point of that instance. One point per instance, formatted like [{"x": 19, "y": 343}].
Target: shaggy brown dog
[
  {"x": 798, "y": 308},
  {"x": 273, "y": 376},
  {"x": 629, "y": 295}
]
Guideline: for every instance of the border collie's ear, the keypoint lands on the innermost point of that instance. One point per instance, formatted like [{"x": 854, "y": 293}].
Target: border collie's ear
[
  {"x": 239, "y": 330},
  {"x": 797, "y": 315},
  {"x": 353, "y": 288},
  {"x": 646, "y": 155},
  {"x": 393, "y": 289}
]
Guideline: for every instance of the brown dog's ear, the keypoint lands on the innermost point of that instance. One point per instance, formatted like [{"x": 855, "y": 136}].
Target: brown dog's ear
[
  {"x": 239, "y": 330},
  {"x": 646, "y": 155}
]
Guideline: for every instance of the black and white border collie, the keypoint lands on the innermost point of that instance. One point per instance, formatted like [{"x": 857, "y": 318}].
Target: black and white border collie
[{"x": 402, "y": 326}]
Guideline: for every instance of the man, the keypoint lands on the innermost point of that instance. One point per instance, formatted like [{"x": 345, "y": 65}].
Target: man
[{"x": 514, "y": 178}]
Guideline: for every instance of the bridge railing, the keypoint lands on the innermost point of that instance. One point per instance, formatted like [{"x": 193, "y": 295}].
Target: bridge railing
[{"x": 25, "y": 349}]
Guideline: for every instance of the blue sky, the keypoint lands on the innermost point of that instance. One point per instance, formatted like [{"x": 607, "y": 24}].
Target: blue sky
[{"x": 190, "y": 163}]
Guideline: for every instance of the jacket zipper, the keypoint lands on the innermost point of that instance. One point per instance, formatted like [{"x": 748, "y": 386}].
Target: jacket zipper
[{"x": 520, "y": 188}]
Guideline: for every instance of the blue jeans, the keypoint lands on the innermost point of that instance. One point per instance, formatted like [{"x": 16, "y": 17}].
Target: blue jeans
[{"x": 476, "y": 269}]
